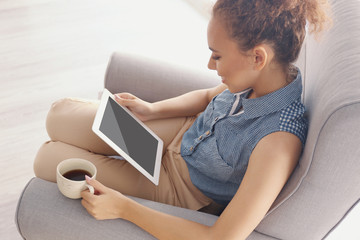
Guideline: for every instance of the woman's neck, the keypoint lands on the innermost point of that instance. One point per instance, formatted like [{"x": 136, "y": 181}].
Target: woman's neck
[{"x": 270, "y": 79}]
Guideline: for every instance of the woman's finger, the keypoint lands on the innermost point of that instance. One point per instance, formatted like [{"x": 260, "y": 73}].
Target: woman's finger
[
  {"x": 127, "y": 96},
  {"x": 125, "y": 99},
  {"x": 100, "y": 188}
]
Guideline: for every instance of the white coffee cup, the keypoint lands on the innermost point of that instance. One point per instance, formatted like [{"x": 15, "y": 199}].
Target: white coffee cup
[{"x": 73, "y": 188}]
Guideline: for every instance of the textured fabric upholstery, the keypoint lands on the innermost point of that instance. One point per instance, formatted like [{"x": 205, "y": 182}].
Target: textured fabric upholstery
[
  {"x": 44, "y": 213},
  {"x": 153, "y": 80}
]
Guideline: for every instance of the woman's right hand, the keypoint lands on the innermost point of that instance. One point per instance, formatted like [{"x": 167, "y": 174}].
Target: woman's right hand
[{"x": 142, "y": 109}]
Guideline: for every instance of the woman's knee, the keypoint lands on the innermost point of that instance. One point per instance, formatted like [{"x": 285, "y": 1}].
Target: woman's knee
[
  {"x": 70, "y": 121},
  {"x": 70, "y": 115},
  {"x": 57, "y": 116},
  {"x": 44, "y": 163}
]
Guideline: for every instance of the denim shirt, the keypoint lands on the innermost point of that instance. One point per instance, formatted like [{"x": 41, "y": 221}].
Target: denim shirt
[{"x": 217, "y": 147}]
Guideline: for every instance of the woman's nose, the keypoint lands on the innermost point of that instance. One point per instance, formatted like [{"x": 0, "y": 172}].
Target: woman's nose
[{"x": 211, "y": 64}]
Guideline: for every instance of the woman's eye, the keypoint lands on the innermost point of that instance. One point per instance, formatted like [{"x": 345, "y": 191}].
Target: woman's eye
[{"x": 216, "y": 57}]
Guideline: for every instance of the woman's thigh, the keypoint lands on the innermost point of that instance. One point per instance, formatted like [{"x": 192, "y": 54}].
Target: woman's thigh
[{"x": 70, "y": 120}]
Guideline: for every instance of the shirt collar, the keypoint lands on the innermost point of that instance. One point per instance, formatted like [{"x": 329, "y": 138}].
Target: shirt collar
[{"x": 274, "y": 101}]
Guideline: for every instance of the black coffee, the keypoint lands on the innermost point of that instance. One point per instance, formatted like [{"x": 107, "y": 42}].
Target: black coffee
[{"x": 77, "y": 174}]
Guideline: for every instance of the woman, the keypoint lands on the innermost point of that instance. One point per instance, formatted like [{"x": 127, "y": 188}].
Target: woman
[{"x": 231, "y": 148}]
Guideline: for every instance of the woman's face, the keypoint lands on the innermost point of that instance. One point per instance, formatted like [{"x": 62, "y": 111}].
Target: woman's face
[{"x": 234, "y": 67}]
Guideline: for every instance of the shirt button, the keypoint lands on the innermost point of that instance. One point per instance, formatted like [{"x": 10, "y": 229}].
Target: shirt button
[
  {"x": 192, "y": 148},
  {"x": 201, "y": 137},
  {"x": 216, "y": 119},
  {"x": 207, "y": 133}
]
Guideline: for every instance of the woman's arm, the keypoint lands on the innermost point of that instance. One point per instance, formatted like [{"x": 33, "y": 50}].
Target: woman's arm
[
  {"x": 270, "y": 165},
  {"x": 188, "y": 104}
]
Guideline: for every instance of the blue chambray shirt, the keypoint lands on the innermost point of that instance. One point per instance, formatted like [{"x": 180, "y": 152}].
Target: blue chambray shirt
[{"x": 217, "y": 147}]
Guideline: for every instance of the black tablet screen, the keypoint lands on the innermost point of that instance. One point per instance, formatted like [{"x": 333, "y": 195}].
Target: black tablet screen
[{"x": 129, "y": 136}]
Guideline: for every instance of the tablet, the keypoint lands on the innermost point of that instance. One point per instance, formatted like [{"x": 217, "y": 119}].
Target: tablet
[{"x": 128, "y": 136}]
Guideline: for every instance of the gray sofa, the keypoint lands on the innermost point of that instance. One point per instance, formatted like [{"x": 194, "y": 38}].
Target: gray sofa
[{"x": 324, "y": 187}]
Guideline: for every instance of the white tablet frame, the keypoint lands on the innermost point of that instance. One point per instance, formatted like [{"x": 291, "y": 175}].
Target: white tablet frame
[{"x": 96, "y": 129}]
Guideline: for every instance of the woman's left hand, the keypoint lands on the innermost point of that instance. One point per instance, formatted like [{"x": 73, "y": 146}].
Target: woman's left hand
[{"x": 106, "y": 203}]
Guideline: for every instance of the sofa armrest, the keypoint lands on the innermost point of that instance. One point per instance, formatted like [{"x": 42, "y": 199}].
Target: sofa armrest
[
  {"x": 153, "y": 80},
  {"x": 43, "y": 213}
]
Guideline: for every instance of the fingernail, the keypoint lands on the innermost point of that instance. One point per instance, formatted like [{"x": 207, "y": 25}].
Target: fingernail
[{"x": 87, "y": 178}]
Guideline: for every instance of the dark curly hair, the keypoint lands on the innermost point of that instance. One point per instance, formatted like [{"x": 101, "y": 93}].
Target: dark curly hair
[{"x": 279, "y": 23}]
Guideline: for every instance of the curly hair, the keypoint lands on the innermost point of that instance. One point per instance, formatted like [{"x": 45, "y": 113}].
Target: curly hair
[{"x": 279, "y": 23}]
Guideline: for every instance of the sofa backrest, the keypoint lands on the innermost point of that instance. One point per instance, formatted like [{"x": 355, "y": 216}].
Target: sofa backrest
[{"x": 326, "y": 183}]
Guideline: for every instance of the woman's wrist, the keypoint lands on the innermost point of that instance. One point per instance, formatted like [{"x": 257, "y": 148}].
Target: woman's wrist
[
  {"x": 124, "y": 207},
  {"x": 128, "y": 209},
  {"x": 156, "y": 112}
]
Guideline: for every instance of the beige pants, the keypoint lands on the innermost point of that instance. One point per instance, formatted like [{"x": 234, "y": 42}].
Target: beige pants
[{"x": 69, "y": 127}]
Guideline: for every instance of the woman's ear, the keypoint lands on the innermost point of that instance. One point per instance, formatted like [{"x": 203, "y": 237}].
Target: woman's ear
[{"x": 261, "y": 57}]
